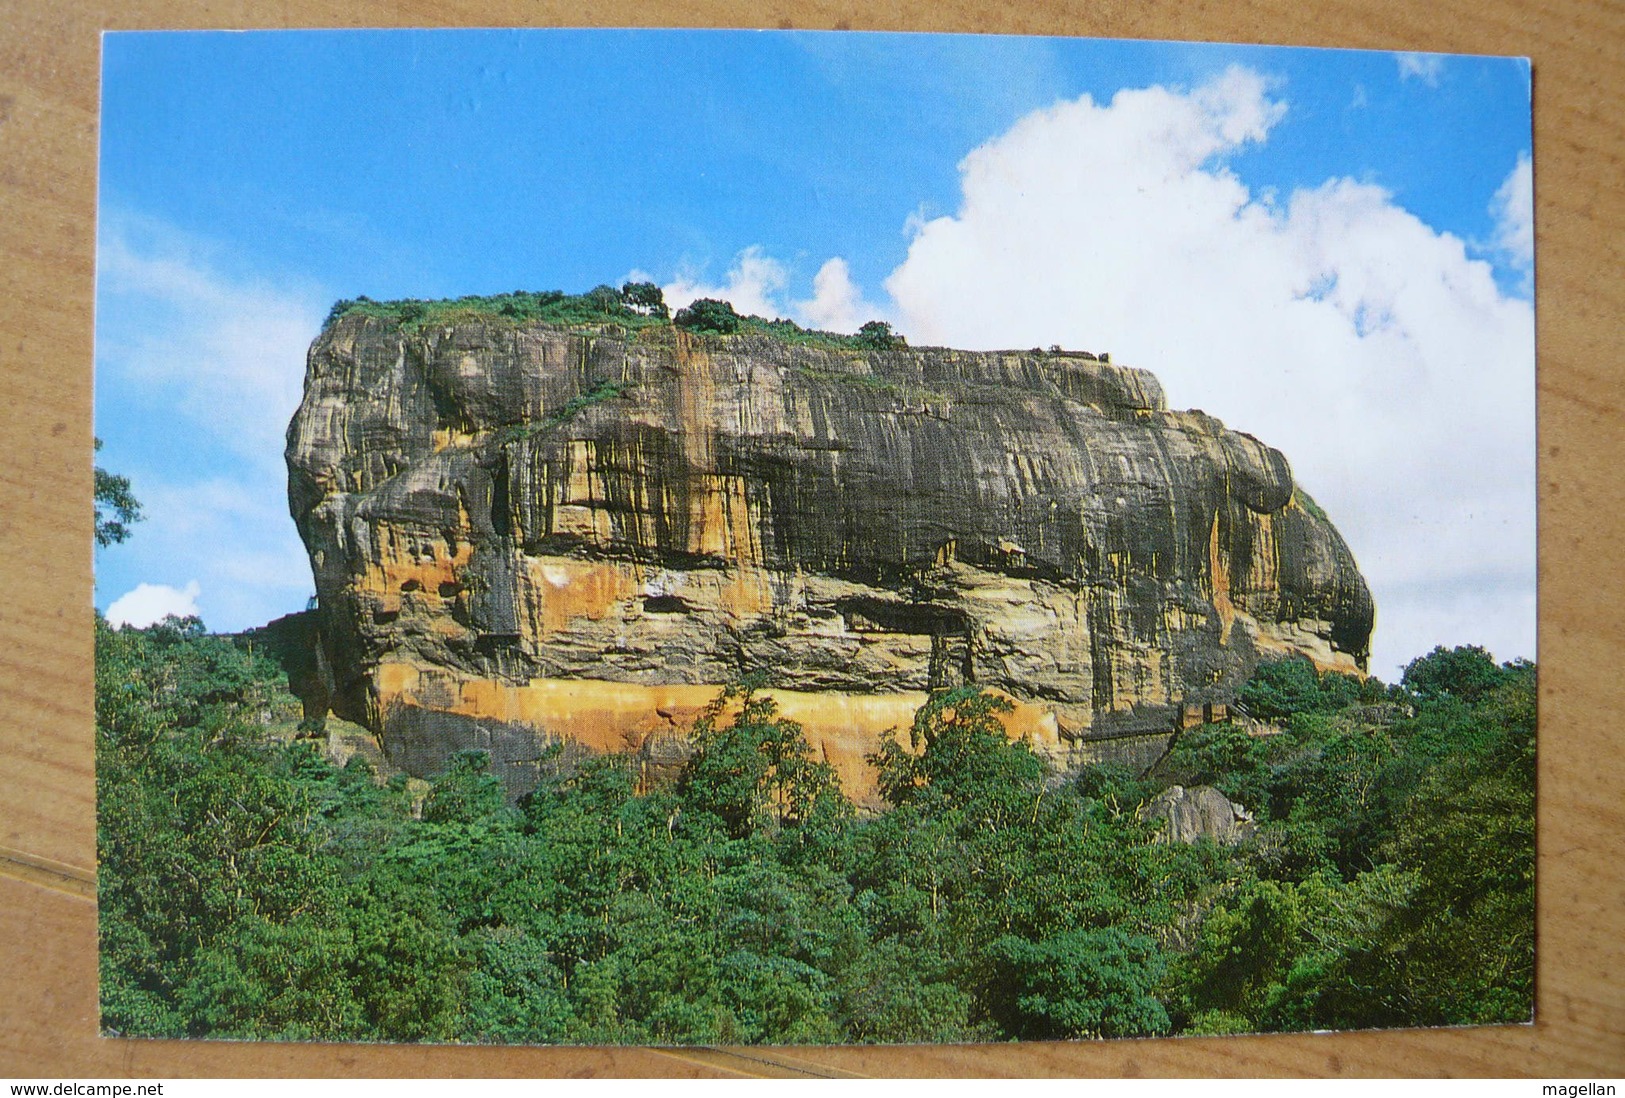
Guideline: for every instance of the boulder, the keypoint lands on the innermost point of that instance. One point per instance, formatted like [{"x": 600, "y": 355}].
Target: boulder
[{"x": 1200, "y": 812}]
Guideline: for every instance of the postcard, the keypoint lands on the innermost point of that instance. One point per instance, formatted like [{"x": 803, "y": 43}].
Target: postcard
[{"x": 701, "y": 537}]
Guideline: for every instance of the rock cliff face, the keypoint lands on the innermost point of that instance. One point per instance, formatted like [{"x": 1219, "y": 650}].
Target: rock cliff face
[{"x": 523, "y": 534}]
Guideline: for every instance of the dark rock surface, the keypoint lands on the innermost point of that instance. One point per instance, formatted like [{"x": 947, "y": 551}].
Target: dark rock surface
[{"x": 522, "y": 534}]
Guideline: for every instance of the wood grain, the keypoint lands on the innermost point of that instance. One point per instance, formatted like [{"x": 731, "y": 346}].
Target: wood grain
[{"x": 48, "y": 117}]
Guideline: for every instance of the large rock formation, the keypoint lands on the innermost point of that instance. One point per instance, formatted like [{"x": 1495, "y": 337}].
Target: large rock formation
[{"x": 523, "y": 534}]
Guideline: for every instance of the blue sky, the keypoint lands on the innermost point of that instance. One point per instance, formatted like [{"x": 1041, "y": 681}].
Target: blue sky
[{"x": 250, "y": 179}]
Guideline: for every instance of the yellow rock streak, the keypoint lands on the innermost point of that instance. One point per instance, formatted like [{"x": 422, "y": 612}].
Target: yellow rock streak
[
  {"x": 1219, "y": 571},
  {"x": 615, "y": 716}
]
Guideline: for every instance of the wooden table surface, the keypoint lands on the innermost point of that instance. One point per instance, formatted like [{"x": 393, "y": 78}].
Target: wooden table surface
[{"x": 48, "y": 119}]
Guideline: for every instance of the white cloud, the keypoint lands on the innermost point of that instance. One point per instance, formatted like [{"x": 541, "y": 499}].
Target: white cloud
[
  {"x": 1426, "y": 67},
  {"x": 198, "y": 373},
  {"x": 837, "y": 305},
  {"x": 1374, "y": 351},
  {"x": 757, "y": 284},
  {"x": 153, "y": 602},
  {"x": 1513, "y": 208},
  {"x": 234, "y": 534},
  {"x": 754, "y": 286},
  {"x": 1333, "y": 324},
  {"x": 228, "y": 354}
]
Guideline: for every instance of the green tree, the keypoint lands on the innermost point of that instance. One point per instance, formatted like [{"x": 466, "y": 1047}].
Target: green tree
[
  {"x": 1466, "y": 672},
  {"x": 605, "y": 299},
  {"x": 878, "y": 335},
  {"x": 1281, "y": 688},
  {"x": 250, "y": 889},
  {"x": 1268, "y": 953},
  {"x": 646, "y": 298},
  {"x": 1078, "y": 983},
  {"x": 116, "y": 506},
  {"x": 1461, "y": 949},
  {"x": 286, "y": 981},
  {"x": 516, "y": 991},
  {"x": 891, "y": 993},
  {"x": 753, "y": 771},
  {"x": 965, "y": 757},
  {"x": 709, "y": 315},
  {"x": 467, "y": 792}
]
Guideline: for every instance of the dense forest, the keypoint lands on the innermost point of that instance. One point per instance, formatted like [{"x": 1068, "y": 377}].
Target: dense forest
[{"x": 251, "y": 888}]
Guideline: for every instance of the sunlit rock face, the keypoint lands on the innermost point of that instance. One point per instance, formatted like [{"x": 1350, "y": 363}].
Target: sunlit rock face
[{"x": 525, "y": 535}]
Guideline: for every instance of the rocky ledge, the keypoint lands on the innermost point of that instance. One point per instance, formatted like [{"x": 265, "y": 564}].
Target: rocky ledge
[{"x": 524, "y": 534}]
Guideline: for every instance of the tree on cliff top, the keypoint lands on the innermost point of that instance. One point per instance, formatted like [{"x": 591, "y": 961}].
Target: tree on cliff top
[
  {"x": 708, "y": 315},
  {"x": 878, "y": 335},
  {"x": 646, "y": 298},
  {"x": 116, "y": 507}
]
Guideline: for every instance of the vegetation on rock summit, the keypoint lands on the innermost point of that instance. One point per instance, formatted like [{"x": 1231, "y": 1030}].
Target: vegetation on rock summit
[{"x": 635, "y": 307}]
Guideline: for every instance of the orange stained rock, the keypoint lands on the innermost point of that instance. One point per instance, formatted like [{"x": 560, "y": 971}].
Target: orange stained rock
[
  {"x": 562, "y": 589},
  {"x": 1264, "y": 563},
  {"x": 1218, "y": 565},
  {"x": 579, "y": 487},
  {"x": 608, "y": 716},
  {"x": 401, "y": 571},
  {"x": 696, "y": 397}
]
